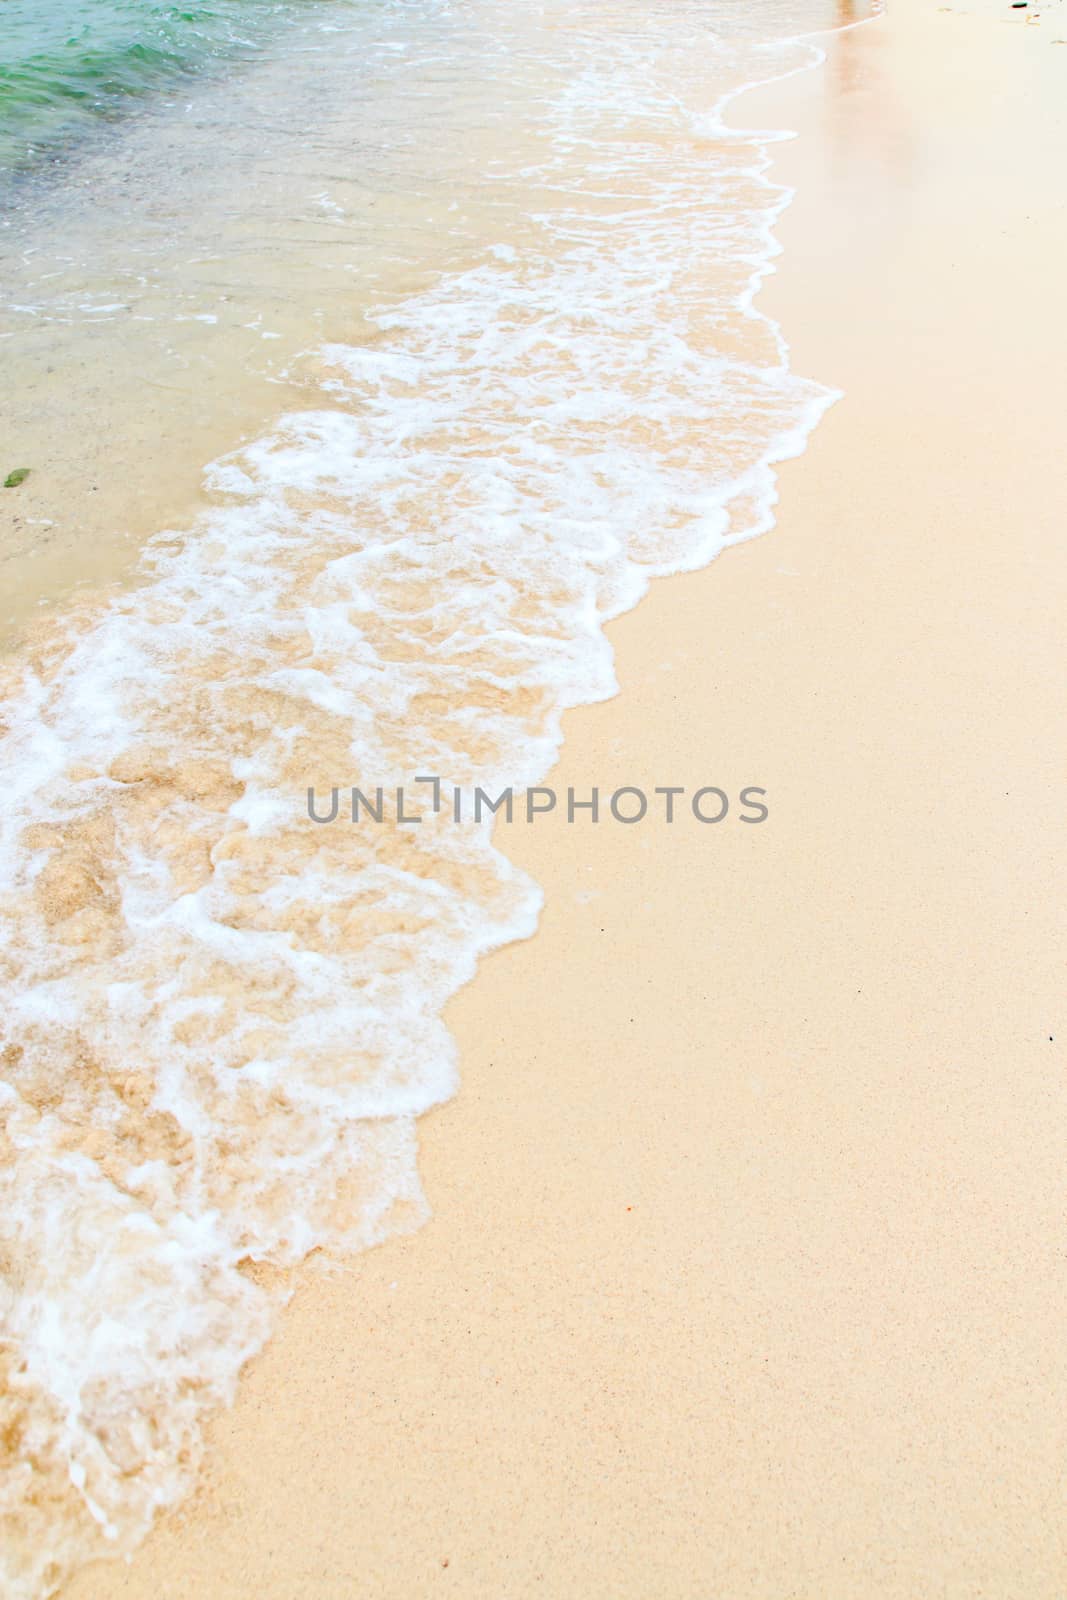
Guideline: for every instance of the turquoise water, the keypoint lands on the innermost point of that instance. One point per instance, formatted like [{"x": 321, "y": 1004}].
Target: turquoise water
[{"x": 68, "y": 65}]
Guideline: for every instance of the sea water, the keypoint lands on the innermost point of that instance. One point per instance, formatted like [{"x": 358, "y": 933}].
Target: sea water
[{"x": 465, "y": 292}]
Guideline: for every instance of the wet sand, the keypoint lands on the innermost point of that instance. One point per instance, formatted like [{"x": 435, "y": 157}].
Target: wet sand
[{"x": 747, "y": 1274}]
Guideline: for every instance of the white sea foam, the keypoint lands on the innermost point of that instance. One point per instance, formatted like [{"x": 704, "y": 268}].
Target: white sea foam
[{"x": 219, "y": 1020}]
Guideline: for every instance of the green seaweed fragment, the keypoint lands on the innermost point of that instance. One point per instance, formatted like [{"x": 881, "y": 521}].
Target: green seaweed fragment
[{"x": 13, "y": 479}]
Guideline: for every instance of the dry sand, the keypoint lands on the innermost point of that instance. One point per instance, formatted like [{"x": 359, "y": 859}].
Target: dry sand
[{"x": 748, "y": 1273}]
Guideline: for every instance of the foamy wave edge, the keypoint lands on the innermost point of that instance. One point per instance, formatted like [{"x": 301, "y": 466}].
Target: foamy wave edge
[{"x": 220, "y": 1022}]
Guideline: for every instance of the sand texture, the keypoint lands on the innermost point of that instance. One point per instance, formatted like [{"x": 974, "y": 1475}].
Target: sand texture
[{"x": 747, "y": 1273}]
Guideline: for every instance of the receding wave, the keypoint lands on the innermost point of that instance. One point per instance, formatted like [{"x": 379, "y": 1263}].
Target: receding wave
[{"x": 220, "y": 1020}]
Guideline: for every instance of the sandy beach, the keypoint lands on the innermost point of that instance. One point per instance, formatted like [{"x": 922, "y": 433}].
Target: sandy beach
[{"x": 746, "y": 1275}]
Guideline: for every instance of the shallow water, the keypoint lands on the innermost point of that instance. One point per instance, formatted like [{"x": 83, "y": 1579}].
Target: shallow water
[{"x": 460, "y": 300}]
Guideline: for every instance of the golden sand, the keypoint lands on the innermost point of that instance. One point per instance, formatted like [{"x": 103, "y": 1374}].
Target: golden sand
[{"x": 747, "y": 1270}]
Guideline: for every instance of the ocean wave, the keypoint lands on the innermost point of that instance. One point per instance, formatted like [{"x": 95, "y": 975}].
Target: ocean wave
[
  {"x": 221, "y": 1021},
  {"x": 66, "y": 66}
]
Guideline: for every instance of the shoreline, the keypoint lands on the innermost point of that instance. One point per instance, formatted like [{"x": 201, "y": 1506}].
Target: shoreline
[
  {"x": 132, "y": 1442},
  {"x": 744, "y": 1270}
]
